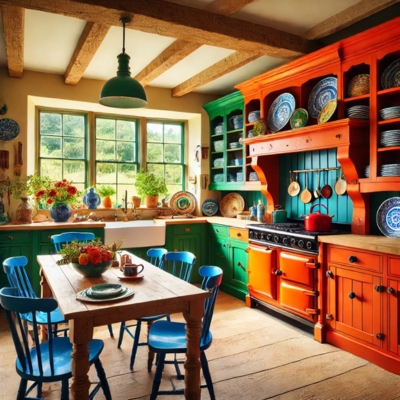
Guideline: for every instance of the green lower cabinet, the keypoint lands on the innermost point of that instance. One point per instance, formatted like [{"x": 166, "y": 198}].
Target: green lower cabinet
[
  {"x": 17, "y": 243},
  {"x": 230, "y": 255},
  {"x": 189, "y": 237}
]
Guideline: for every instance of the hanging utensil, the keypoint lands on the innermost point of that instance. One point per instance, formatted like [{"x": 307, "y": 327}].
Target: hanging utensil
[
  {"x": 18, "y": 159},
  {"x": 317, "y": 191},
  {"x": 341, "y": 184},
  {"x": 306, "y": 195},
  {"x": 326, "y": 191},
  {"x": 294, "y": 187}
]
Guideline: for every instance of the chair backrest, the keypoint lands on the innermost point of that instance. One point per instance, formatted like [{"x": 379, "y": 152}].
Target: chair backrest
[
  {"x": 156, "y": 256},
  {"x": 179, "y": 264},
  {"x": 14, "y": 267},
  {"x": 68, "y": 237},
  {"x": 212, "y": 278},
  {"x": 22, "y": 333}
]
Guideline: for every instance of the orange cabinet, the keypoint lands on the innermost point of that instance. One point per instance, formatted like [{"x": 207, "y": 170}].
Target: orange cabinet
[
  {"x": 360, "y": 151},
  {"x": 363, "y": 304}
]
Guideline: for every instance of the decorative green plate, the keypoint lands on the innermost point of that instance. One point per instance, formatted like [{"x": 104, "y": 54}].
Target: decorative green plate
[
  {"x": 327, "y": 111},
  {"x": 299, "y": 118}
]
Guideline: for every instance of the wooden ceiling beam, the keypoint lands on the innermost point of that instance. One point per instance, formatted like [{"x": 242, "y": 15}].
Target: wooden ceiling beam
[
  {"x": 91, "y": 38},
  {"x": 13, "y": 28},
  {"x": 174, "y": 53},
  {"x": 227, "y": 7},
  {"x": 223, "y": 67},
  {"x": 173, "y": 20},
  {"x": 347, "y": 17}
]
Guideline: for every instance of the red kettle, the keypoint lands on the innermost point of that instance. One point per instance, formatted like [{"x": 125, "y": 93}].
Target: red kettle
[{"x": 318, "y": 222}]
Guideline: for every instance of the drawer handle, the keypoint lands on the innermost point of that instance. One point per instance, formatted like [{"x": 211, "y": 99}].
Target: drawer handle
[
  {"x": 352, "y": 259},
  {"x": 10, "y": 238},
  {"x": 352, "y": 295},
  {"x": 238, "y": 234},
  {"x": 187, "y": 229},
  {"x": 217, "y": 230}
]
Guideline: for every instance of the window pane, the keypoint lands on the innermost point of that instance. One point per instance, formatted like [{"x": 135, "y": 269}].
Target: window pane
[
  {"x": 51, "y": 168},
  {"x": 106, "y": 173},
  {"x": 105, "y": 128},
  {"x": 174, "y": 174},
  {"x": 75, "y": 171},
  {"x": 74, "y": 125},
  {"x": 105, "y": 150},
  {"x": 126, "y": 151},
  {"x": 172, "y": 133},
  {"x": 154, "y": 152},
  {"x": 172, "y": 153},
  {"x": 50, "y": 124},
  {"x": 156, "y": 169},
  {"x": 154, "y": 132},
  {"x": 74, "y": 148},
  {"x": 50, "y": 146},
  {"x": 126, "y": 130},
  {"x": 126, "y": 173}
]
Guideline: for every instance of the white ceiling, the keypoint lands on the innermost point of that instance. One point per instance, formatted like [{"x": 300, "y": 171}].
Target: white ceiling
[{"x": 50, "y": 40}]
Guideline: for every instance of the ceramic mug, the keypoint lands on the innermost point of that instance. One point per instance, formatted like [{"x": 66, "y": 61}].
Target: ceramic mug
[{"x": 133, "y": 269}]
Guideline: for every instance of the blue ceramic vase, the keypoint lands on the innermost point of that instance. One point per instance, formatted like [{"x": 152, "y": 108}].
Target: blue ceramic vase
[
  {"x": 91, "y": 199},
  {"x": 60, "y": 211}
]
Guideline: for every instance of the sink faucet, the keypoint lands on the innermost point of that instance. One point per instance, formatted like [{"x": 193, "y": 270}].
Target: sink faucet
[{"x": 126, "y": 202}]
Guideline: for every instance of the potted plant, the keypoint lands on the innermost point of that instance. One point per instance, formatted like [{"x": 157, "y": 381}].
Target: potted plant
[
  {"x": 149, "y": 187},
  {"x": 105, "y": 192}
]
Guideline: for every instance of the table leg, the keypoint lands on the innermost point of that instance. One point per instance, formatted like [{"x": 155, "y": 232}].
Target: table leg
[
  {"x": 45, "y": 292},
  {"x": 150, "y": 356},
  {"x": 80, "y": 333},
  {"x": 192, "y": 364}
]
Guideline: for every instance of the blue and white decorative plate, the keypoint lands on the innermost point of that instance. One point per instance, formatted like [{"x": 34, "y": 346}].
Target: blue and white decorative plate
[
  {"x": 9, "y": 129},
  {"x": 209, "y": 207},
  {"x": 388, "y": 217},
  {"x": 280, "y": 111},
  {"x": 324, "y": 91}
]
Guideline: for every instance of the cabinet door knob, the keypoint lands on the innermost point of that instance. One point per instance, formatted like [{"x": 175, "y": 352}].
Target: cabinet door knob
[
  {"x": 391, "y": 290},
  {"x": 352, "y": 259},
  {"x": 380, "y": 336},
  {"x": 187, "y": 229},
  {"x": 217, "y": 230},
  {"x": 379, "y": 288},
  {"x": 10, "y": 238},
  {"x": 329, "y": 274},
  {"x": 352, "y": 295},
  {"x": 278, "y": 272}
]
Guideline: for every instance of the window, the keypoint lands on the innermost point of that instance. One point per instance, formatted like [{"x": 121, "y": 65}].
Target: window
[
  {"x": 164, "y": 153},
  {"x": 63, "y": 146},
  {"x": 116, "y": 154},
  {"x": 106, "y": 151}
]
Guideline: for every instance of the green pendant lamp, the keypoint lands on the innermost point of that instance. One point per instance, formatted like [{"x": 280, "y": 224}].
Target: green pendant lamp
[{"x": 123, "y": 91}]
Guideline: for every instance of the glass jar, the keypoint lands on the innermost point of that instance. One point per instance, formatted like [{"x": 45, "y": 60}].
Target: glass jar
[{"x": 25, "y": 211}]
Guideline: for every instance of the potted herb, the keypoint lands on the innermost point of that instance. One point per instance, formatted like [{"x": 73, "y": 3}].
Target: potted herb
[
  {"x": 149, "y": 187},
  {"x": 105, "y": 192}
]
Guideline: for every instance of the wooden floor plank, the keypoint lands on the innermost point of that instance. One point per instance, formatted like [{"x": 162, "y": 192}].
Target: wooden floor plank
[{"x": 253, "y": 356}]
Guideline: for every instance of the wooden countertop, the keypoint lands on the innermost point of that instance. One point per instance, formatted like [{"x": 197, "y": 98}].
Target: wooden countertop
[
  {"x": 234, "y": 222},
  {"x": 40, "y": 226},
  {"x": 380, "y": 244}
]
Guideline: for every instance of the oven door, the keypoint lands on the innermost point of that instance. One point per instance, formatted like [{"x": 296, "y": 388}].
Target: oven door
[
  {"x": 262, "y": 266},
  {"x": 297, "y": 292}
]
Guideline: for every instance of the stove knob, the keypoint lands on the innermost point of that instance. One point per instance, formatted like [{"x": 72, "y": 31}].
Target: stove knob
[
  {"x": 285, "y": 241},
  {"x": 309, "y": 245},
  {"x": 262, "y": 236},
  {"x": 301, "y": 243},
  {"x": 276, "y": 239},
  {"x": 251, "y": 234},
  {"x": 293, "y": 242},
  {"x": 269, "y": 236}
]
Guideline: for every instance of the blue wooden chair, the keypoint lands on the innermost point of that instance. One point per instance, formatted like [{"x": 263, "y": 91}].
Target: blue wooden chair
[
  {"x": 166, "y": 337},
  {"x": 14, "y": 267},
  {"x": 180, "y": 264},
  {"x": 49, "y": 361},
  {"x": 67, "y": 237}
]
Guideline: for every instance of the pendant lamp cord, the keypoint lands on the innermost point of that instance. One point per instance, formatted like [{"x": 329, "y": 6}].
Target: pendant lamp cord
[{"x": 123, "y": 37}]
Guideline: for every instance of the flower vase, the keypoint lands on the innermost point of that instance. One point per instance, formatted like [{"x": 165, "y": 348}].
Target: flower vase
[{"x": 60, "y": 211}]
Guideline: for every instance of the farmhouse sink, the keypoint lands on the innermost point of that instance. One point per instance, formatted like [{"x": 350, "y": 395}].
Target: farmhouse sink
[{"x": 143, "y": 233}]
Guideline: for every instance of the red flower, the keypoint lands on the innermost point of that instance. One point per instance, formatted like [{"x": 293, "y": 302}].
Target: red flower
[
  {"x": 83, "y": 259},
  {"x": 94, "y": 256}
]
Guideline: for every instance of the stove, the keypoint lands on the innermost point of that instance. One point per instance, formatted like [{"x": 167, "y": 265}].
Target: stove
[{"x": 288, "y": 235}]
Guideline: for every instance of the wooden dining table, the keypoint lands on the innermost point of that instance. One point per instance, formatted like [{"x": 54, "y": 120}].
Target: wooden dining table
[{"x": 157, "y": 293}]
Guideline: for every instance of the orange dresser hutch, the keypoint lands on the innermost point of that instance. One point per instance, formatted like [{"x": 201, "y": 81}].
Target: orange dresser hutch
[{"x": 359, "y": 301}]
